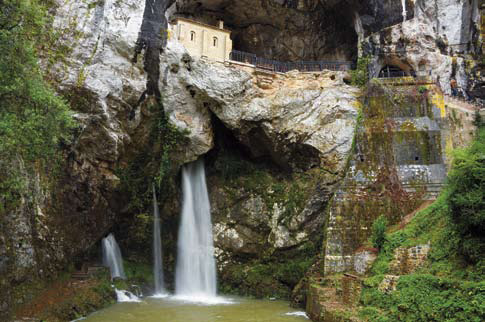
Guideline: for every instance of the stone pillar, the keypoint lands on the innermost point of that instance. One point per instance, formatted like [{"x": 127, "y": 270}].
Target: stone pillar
[
  {"x": 181, "y": 32},
  {"x": 204, "y": 44}
]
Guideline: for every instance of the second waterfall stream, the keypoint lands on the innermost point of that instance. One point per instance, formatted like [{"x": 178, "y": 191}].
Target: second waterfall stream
[
  {"x": 157, "y": 250},
  {"x": 196, "y": 266}
]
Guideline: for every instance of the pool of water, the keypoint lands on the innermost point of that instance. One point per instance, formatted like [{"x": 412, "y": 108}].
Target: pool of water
[{"x": 176, "y": 310}]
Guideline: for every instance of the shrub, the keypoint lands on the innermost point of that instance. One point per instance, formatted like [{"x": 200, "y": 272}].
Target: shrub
[
  {"x": 360, "y": 75},
  {"x": 378, "y": 236},
  {"x": 466, "y": 199}
]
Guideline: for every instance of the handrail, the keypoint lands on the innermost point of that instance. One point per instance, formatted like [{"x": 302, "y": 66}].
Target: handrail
[{"x": 283, "y": 67}]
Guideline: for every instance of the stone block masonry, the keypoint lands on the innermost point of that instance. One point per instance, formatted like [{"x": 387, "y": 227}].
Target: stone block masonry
[
  {"x": 407, "y": 260},
  {"x": 398, "y": 161}
]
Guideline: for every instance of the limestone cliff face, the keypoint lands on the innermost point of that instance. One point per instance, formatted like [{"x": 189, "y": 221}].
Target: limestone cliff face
[
  {"x": 56, "y": 222},
  {"x": 299, "y": 120},
  {"x": 436, "y": 43},
  {"x": 293, "y": 131},
  {"x": 301, "y": 123}
]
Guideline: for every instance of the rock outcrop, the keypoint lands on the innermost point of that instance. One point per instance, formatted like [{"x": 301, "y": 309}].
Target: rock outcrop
[
  {"x": 289, "y": 137},
  {"x": 434, "y": 44},
  {"x": 62, "y": 219},
  {"x": 275, "y": 144},
  {"x": 300, "y": 120}
]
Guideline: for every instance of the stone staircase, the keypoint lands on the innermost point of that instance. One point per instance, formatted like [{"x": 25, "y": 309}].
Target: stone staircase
[
  {"x": 87, "y": 272},
  {"x": 335, "y": 298}
]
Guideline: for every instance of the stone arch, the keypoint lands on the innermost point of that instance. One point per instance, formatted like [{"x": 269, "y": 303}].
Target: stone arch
[{"x": 393, "y": 67}]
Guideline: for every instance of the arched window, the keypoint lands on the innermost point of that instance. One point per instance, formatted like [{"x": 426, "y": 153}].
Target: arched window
[
  {"x": 215, "y": 41},
  {"x": 192, "y": 36}
]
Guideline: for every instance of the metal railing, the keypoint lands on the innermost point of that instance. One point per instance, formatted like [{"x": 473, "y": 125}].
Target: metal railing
[
  {"x": 283, "y": 67},
  {"x": 394, "y": 74}
]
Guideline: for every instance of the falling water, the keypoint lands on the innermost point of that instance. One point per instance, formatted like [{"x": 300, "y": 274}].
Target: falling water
[
  {"x": 404, "y": 12},
  {"x": 196, "y": 269},
  {"x": 157, "y": 249},
  {"x": 126, "y": 296},
  {"x": 112, "y": 256}
]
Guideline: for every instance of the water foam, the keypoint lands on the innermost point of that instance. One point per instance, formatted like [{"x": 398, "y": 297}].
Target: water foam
[{"x": 126, "y": 296}]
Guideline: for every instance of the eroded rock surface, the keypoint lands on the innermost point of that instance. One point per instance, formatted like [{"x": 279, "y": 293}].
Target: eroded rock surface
[
  {"x": 300, "y": 120},
  {"x": 433, "y": 44}
]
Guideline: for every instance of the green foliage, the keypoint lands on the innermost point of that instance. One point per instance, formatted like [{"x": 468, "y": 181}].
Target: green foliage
[
  {"x": 34, "y": 121},
  {"x": 447, "y": 287},
  {"x": 154, "y": 161},
  {"x": 360, "y": 76},
  {"x": 378, "y": 235},
  {"x": 477, "y": 118},
  {"x": 264, "y": 279},
  {"x": 138, "y": 273},
  {"x": 466, "y": 199},
  {"x": 422, "y": 89},
  {"x": 424, "y": 297}
]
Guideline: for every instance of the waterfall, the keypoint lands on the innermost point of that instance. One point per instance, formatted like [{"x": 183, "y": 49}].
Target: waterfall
[
  {"x": 112, "y": 256},
  {"x": 404, "y": 12},
  {"x": 126, "y": 296},
  {"x": 157, "y": 248},
  {"x": 196, "y": 267}
]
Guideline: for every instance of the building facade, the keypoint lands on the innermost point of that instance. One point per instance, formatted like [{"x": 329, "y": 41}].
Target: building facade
[{"x": 203, "y": 40}]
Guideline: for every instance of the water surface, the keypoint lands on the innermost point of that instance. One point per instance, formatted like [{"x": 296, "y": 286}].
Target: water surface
[{"x": 170, "y": 310}]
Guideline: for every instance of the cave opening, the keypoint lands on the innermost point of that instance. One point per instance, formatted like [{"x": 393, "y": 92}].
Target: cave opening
[
  {"x": 281, "y": 32},
  {"x": 392, "y": 70},
  {"x": 229, "y": 156}
]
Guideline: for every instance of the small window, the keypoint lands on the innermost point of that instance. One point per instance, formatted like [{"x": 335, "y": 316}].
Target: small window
[
  {"x": 192, "y": 36},
  {"x": 215, "y": 41}
]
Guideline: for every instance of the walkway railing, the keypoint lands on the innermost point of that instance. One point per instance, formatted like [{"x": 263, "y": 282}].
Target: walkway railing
[
  {"x": 403, "y": 79},
  {"x": 283, "y": 67}
]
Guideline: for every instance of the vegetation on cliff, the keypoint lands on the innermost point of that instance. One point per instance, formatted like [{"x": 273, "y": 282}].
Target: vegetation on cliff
[
  {"x": 450, "y": 286},
  {"x": 34, "y": 122},
  {"x": 466, "y": 199}
]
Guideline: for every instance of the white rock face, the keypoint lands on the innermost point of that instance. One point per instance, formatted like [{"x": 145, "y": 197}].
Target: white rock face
[
  {"x": 428, "y": 42},
  {"x": 103, "y": 36},
  {"x": 452, "y": 20},
  {"x": 299, "y": 119}
]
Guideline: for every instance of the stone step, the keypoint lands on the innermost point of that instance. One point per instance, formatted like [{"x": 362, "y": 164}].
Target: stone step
[{"x": 80, "y": 275}]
